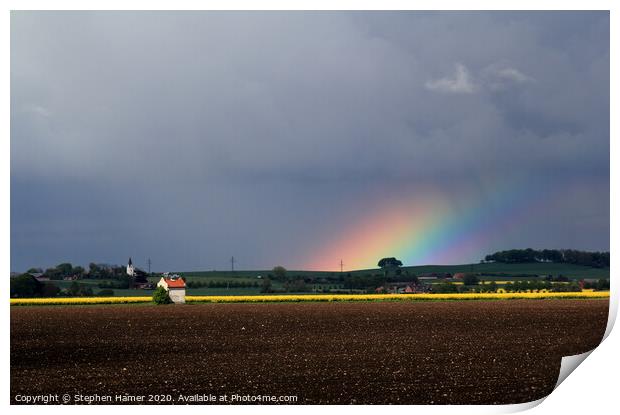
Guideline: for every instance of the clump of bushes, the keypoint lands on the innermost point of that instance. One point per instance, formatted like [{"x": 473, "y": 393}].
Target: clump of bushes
[
  {"x": 26, "y": 286},
  {"x": 161, "y": 296},
  {"x": 106, "y": 293},
  {"x": 445, "y": 288},
  {"x": 601, "y": 285},
  {"x": 79, "y": 290},
  {"x": 470, "y": 279}
]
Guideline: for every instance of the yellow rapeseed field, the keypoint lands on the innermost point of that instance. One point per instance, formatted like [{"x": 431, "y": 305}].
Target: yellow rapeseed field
[
  {"x": 393, "y": 297},
  {"x": 314, "y": 297},
  {"x": 79, "y": 300}
]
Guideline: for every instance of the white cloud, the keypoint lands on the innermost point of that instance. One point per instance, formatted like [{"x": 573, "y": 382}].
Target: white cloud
[
  {"x": 461, "y": 83},
  {"x": 513, "y": 74},
  {"x": 499, "y": 76},
  {"x": 38, "y": 110}
]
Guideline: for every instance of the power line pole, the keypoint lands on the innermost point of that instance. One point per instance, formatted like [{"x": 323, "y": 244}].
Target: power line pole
[
  {"x": 232, "y": 263},
  {"x": 341, "y": 265}
]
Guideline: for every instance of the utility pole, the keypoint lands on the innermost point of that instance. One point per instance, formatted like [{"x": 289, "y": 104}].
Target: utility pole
[
  {"x": 341, "y": 265},
  {"x": 149, "y": 262},
  {"x": 232, "y": 263}
]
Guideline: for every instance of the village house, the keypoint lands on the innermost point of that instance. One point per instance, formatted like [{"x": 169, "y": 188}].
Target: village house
[
  {"x": 175, "y": 286},
  {"x": 40, "y": 276},
  {"x": 402, "y": 288}
]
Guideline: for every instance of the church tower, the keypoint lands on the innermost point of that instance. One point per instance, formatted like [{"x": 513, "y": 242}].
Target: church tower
[{"x": 130, "y": 270}]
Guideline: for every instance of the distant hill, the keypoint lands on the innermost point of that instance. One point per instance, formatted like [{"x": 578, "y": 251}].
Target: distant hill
[
  {"x": 489, "y": 269},
  {"x": 531, "y": 268}
]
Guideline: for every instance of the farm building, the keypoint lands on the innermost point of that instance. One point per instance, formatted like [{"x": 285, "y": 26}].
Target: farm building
[
  {"x": 402, "y": 288},
  {"x": 41, "y": 277},
  {"x": 175, "y": 286}
]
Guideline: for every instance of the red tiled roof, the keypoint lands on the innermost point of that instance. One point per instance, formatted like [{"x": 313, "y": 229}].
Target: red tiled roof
[{"x": 176, "y": 283}]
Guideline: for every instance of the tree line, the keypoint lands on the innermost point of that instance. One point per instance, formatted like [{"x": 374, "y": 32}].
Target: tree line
[
  {"x": 560, "y": 256},
  {"x": 26, "y": 286},
  {"x": 94, "y": 271}
]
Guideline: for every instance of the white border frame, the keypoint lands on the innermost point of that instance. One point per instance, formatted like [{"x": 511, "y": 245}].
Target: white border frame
[{"x": 590, "y": 389}]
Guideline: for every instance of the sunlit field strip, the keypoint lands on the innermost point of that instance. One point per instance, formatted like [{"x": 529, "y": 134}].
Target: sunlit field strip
[
  {"x": 80, "y": 300},
  {"x": 309, "y": 298},
  {"x": 393, "y": 297}
]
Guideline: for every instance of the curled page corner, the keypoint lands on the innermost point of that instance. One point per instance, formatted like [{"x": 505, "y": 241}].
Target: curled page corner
[
  {"x": 567, "y": 366},
  {"x": 521, "y": 407},
  {"x": 613, "y": 311},
  {"x": 570, "y": 363}
]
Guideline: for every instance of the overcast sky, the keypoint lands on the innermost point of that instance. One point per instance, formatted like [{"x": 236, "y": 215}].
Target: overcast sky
[{"x": 188, "y": 137}]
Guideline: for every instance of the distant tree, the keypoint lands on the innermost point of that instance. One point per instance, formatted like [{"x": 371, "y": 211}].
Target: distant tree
[
  {"x": 492, "y": 287},
  {"x": 53, "y": 274},
  {"x": 551, "y": 255},
  {"x": 161, "y": 296},
  {"x": 390, "y": 263},
  {"x": 266, "y": 286},
  {"x": 297, "y": 286},
  {"x": 470, "y": 279},
  {"x": 25, "y": 285},
  {"x": 93, "y": 270},
  {"x": 66, "y": 269},
  {"x": 602, "y": 285},
  {"x": 140, "y": 276},
  {"x": 74, "y": 289},
  {"x": 78, "y": 272},
  {"x": 35, "y": 271},
  {"x": 570, "y": 287},
  {"x": 445, "y": 287},
  {"x": 79, "y": 290},
  {"x": 279, "y": 272},
  {"x": 124, "y": 282},
  {"x": 588, "y": 285},
  {"x": 49, "y": 290}
]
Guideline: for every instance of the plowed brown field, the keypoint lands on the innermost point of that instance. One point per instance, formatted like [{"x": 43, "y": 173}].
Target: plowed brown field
[{"x": 460, "y": 352}]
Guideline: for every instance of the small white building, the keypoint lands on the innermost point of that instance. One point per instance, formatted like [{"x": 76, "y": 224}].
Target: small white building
[{"x": 175, "y": 287}]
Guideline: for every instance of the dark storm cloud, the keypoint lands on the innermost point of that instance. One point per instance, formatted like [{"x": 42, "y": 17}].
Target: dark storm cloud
[{"x": 193, "y": 136}]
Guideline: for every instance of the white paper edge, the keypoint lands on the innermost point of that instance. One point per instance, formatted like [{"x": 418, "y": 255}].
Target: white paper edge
[{"x": 569, "y": 364}]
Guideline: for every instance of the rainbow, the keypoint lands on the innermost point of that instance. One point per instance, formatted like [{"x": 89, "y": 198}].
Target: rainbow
[{"x": 429, "y": 228}]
